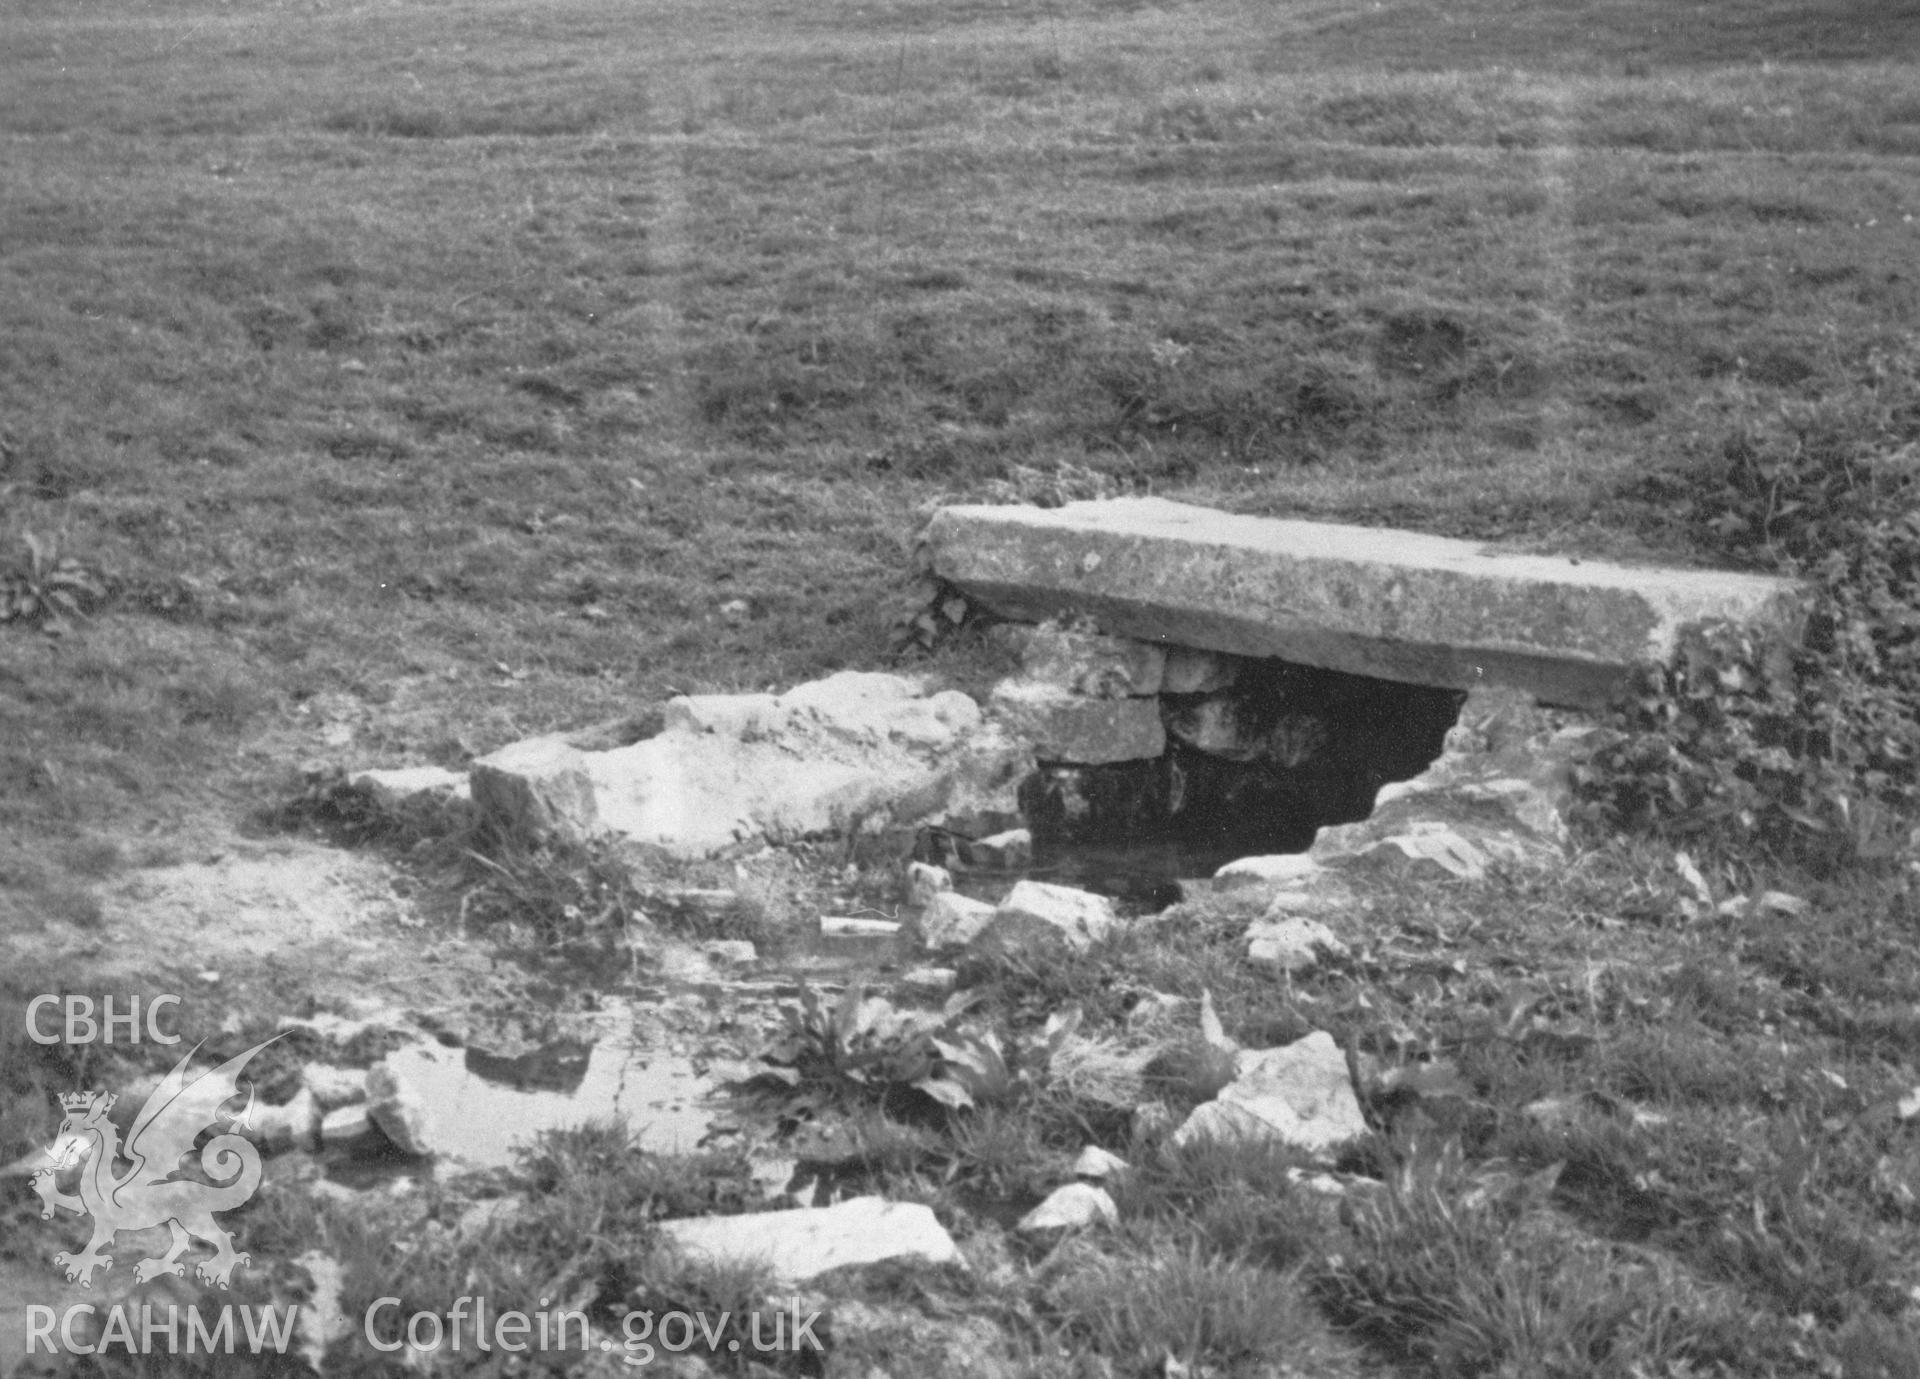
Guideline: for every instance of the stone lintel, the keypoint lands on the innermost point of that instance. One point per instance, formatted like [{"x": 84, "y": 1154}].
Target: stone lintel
[{"x": 1370, "y": 601}]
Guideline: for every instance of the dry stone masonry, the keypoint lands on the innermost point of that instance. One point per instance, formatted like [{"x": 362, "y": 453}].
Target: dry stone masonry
[{"x": 1311, "y": 698}]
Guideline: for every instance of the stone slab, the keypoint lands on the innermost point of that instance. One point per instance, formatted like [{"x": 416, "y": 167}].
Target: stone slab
[
  {"x": 1299, "y": 1094},
  {"x": 727, "y": 771},
  {"x": 1085, "y": 663},
  {"x": 1370, "y": 601},
  {"x": 1068, "y": 727},
  {"x": 799, "y": 1245}
]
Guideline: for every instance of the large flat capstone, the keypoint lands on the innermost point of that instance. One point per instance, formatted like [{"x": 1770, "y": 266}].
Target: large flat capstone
[{"x": 1370, "y": 601}]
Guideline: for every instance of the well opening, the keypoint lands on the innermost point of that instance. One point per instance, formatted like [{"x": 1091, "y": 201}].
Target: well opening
[{"x": 1258, "y": 767}]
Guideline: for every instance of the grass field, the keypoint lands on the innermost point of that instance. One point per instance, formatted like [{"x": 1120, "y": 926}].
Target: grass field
[
  {"x": 427, "y": 376},
  {"x": 378, "y": 348}
]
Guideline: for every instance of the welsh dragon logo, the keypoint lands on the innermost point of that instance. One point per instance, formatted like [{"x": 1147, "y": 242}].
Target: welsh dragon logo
[{"x": 150, "y": 1191}]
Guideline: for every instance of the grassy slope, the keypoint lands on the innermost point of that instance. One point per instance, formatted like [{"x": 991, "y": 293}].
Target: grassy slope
[{"x": 435, "y": 339}]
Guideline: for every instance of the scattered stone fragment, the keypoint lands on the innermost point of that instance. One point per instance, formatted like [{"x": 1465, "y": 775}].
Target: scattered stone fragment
[
  {"x": 735, "y": 952},
  {"x": 1300, "y": 1094},
  {"x": 1319, "y": 1184},
  {"x": 1325, "y": 894},
  {"x": 1067, "y": 727},
  {"x": 951, "y": 920},
  {"x": 1437, "y": 848},
  {"x": 1212, "y": 1032},
  {"x": 1072, "y": 1207},
  {"x": 1292, "y": 944},
  {"x": 295, "y": 1125},
  {"x": 1081, "y": 917},
  {"x": 1095, "y": 1162},
  {"x": 795, "y": 1246},
  {"x": 1006, "y": 851},
  {"x": 398, "y": 1112},
  {"x": 538, "y": 789},
  {"x": 925, "y": 881},
  {"x": 1909, "y": 1106},
  {"x": 349, "y": 1125},
  {"x": 1248, "y": 871},
  {"x": 930, "y": 981},
  {"x": 411, "y": 784},
  {"x": 847, "y": 926},
  {"x": 333, "y": 1087}
]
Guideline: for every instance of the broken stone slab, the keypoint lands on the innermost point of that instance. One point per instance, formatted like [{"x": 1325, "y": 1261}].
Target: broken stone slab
[
  {"x": 732, "y": 952},
  {"x": 1398, "y": 605},
  {"x": 1086, "y": 663},
  {"x": 1505, "y": 756},
  {"x": 1097, "y": 1163},
  {"x": 950, "y": 920},
  {"x": 398, "y": 1112},
  {"x": 1006, "y": 851},
  {"x": 1300, "y": 1094},
  {"x": 798, "y": 1245},
  {"x": 1293, "y": 943},
  {"x": 1437, "y": 849},
  {"x": 1067, "y": 727},
  {"x": 347, "y": 1125},
  {"x": 1080, "y": 917},
  {"x": 333, "y": 1087},
  {"x": 1279, "y": 867},
  {"x": 824, "y": 759},
  {"x": 1072, "y": 1207},
  {"x": 930, "y": 981},
  {"x": 295, "y": 1125}
]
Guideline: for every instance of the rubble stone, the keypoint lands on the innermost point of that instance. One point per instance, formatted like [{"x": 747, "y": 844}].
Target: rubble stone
[
  {"x": 1081, "y": 917},
  {"x": 1088, "y": 663},
  {"x": 1067, "y": 727},
  {"x": 798, "y": 1245},
  {"x": 727, "y": 771},
  {"x": 1292, "y": 944},
  {"x": 1300, "y": 1094},
  {"x": 951, "y": 920},
  {"x": 1072, "y": 1207}
]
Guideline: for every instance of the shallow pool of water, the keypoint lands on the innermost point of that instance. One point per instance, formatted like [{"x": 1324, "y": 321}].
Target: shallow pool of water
[{"x": 482, "y": 1106}]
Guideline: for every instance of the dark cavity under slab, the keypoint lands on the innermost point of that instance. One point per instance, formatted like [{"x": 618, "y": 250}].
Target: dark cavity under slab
[{"x": 1258, "y": 768}]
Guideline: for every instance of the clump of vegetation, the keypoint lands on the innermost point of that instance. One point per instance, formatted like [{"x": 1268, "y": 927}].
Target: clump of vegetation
[
  {"x": 1810, "y": 752},
  {"x": 864, "y": 1049},
  {"x": 46, "y": 586},
  {"x": 1465, "y": 1270}
]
